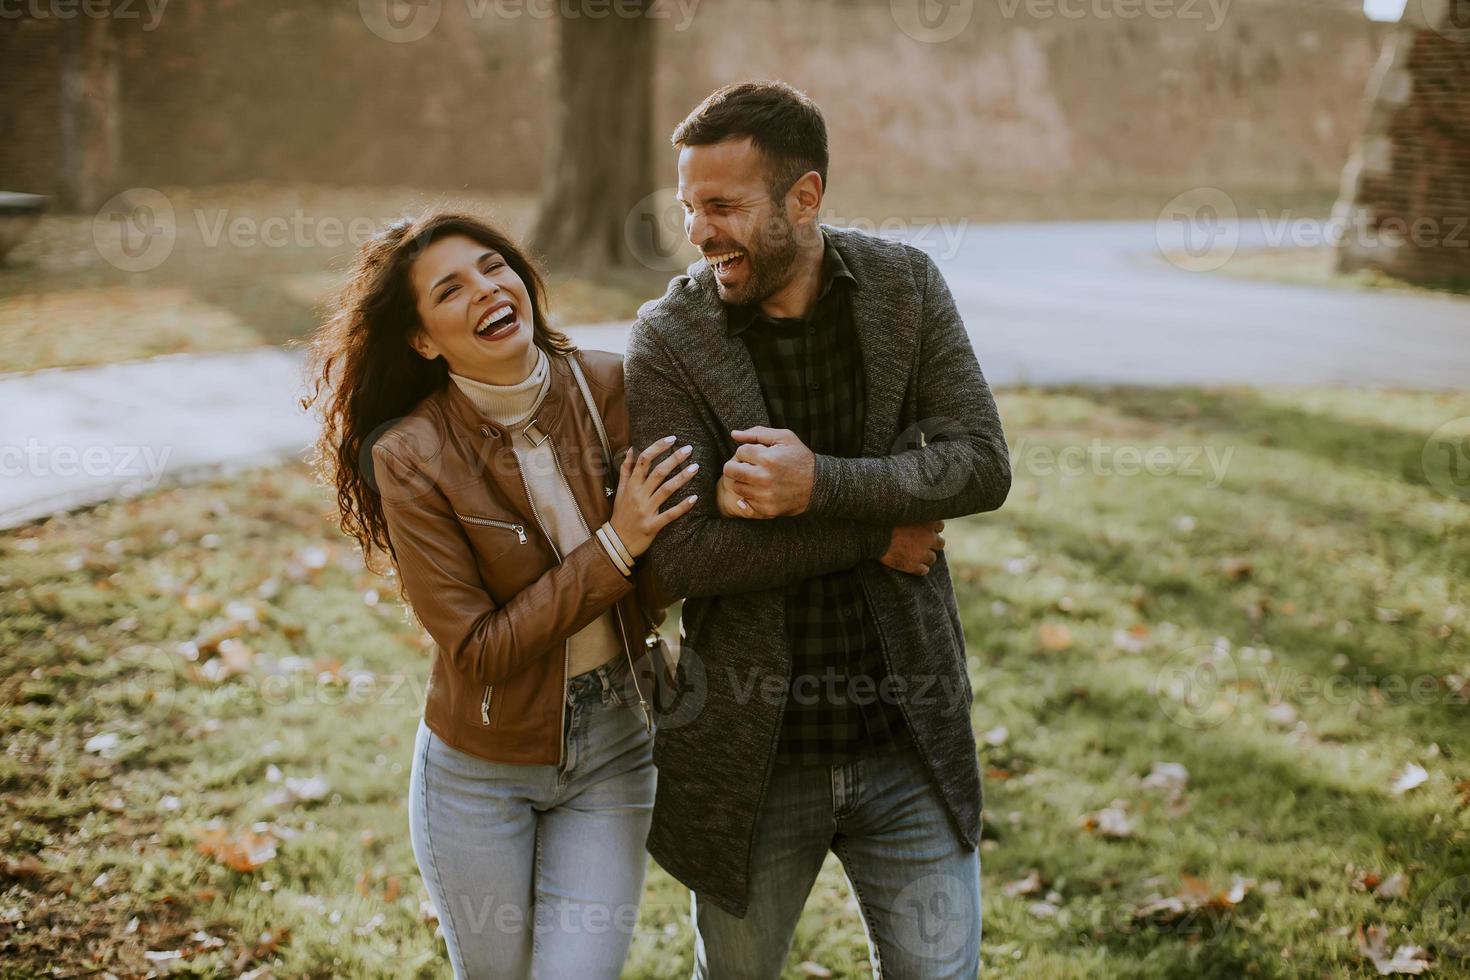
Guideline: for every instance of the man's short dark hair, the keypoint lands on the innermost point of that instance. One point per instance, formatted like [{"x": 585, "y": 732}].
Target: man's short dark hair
[{"x": 785, "y": 125}]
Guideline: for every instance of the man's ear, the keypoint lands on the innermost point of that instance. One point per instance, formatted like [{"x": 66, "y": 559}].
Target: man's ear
[{"x": 805, "y": 196}]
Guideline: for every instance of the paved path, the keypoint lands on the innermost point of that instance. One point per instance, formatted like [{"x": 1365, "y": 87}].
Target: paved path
[{"x": 1045, "y": 304}]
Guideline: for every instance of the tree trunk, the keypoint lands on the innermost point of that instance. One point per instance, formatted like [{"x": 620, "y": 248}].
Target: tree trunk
[
  {"x": 601, "y": 166},
  {"x": 90, "y": 114}
]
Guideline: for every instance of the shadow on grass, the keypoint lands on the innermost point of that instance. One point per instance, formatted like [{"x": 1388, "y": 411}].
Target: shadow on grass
[{"x": 1377, "y": 448}]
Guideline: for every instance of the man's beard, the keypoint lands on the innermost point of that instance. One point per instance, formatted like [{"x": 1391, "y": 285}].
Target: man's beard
[{"x": 771, "y": 255}]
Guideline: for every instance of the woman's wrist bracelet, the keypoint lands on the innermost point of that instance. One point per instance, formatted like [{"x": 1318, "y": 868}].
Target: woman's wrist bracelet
[
  {"x": 605, "y": 539},
  {"x": 617, "y": 541}
]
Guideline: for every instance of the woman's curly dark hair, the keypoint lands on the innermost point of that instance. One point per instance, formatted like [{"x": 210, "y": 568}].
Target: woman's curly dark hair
[{"x": 365, "y": 375}]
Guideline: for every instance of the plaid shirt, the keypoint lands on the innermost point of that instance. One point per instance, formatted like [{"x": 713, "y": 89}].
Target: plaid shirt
[{"x": 811, "y": 375}]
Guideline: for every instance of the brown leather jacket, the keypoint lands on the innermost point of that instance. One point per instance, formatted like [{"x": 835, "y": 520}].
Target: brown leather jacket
[{"x": 486, "y": 581}]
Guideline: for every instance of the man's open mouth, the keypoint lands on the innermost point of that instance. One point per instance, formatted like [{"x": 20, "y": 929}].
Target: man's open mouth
[
  {"x": 725, "y": 262},
  {"x": 497, "y": 322}
]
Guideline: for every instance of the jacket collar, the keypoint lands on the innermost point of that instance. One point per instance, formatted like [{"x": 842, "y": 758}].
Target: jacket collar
[
  {"x": 886, "y": 313},
  {"x": 467, "y": 418},
  {"x": 833, "y": 269}
]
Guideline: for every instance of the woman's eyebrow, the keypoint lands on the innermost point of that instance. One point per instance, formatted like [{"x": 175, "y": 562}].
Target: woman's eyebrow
[{"x": 453, "y": 275}]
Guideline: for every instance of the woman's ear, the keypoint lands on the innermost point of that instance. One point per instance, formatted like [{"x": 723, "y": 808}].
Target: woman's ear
[{"x": 420, "y": 342}]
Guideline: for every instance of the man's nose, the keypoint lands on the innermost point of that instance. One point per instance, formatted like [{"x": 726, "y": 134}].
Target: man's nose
[{"x": 698, "y": 230}]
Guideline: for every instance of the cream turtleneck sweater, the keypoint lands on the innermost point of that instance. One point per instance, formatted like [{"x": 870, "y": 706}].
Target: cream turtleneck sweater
[{"x": 513, "y": 406}]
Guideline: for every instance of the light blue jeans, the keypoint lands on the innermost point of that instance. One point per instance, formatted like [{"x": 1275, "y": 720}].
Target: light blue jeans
[
  {"x": 537, "y": 871},
  {"x": 917, "y": 885}
]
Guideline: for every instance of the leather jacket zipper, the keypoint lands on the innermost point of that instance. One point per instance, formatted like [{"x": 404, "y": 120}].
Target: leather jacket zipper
[
  {"x": 566, "y": 644},
  {"x": 617, "y": 608},
  {"x": 519, "y": 529},
  {"x": 485, "y": 706}
]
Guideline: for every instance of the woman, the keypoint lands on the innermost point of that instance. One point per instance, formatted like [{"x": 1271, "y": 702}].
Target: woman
[{"x": 472, "y": 444}]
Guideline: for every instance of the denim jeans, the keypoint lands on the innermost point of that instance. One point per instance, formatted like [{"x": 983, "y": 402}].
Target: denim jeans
[
  {"x": 537, "y": 871},
  {"x": 917, "y": 885}
]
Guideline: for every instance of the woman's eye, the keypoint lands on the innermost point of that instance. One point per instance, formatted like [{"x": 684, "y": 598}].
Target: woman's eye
[{"x": 447, "y": 293}]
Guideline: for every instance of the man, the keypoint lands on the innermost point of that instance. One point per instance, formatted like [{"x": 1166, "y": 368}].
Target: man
[{"x": 838, "y": 415}]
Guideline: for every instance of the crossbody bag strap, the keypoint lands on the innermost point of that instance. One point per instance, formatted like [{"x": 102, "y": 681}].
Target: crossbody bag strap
[{"x": 581, "y": 379}]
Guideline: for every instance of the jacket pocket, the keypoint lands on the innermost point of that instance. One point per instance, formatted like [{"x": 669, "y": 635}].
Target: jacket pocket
[{"x": 491, "y": 537}]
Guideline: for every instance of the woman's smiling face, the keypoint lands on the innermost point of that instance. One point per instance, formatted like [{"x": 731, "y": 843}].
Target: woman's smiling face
[{"x": 475, "y": 312}]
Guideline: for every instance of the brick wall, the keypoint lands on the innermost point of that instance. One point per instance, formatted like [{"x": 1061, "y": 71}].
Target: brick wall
[{"x": 1405, "y": 203}]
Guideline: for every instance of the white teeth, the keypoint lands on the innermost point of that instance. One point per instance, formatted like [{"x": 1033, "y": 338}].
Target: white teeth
[{"x": 498, "y": 320}]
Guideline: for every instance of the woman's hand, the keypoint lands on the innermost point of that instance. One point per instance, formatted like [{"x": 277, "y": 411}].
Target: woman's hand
[{"x": 641, "y": 492}]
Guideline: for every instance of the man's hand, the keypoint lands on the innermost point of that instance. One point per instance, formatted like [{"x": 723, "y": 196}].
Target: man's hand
[
  {"x": 914, "y": 548},
  {"x": 772, "y": 471}
]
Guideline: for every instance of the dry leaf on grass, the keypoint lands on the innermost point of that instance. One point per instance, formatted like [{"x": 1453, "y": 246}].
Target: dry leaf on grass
[
  {"x": 1111, "y": 821},
  {"x": 1411, "y": 776},
  {"x": 1055, "y": 637},
  {"x": 247, "y": 851},
  {"x": 1029, "y": 885},
  {"x": 1405, "y": 959}
]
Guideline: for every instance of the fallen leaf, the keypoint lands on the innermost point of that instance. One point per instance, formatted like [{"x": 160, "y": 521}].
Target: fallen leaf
[
  {"x": 1055, "y": 637},
  {"x": 1405, "y": 959},
  {"x": 1413, "y": 775},
  {"x": 997, "y": 736},
  {"x": 1111, "y": 821},
  {"x": 1395, "y": 885},
  {"x": 1029, "y": 885},
  {"x": 810, "y": 969},
  {"x": 248, "y": 851}
]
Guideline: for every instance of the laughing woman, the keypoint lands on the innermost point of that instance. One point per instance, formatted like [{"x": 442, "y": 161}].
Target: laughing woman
[{"x": 472, "y": 445}]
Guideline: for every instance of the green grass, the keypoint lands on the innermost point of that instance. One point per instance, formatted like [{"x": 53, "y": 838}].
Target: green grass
[
  {"x": 1311, "y": 547},
  {"x": 248, "y": 265}
]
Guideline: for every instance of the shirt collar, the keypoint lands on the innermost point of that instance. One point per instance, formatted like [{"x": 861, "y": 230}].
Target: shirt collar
[{"x": 739, "y": 318}]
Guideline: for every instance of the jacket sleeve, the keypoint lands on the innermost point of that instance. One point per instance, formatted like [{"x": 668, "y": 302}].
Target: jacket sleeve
[
  {"x": 704, "y": 553},
  {"x": 440, "y": 575},
  {"x": 960, "y": 464}
]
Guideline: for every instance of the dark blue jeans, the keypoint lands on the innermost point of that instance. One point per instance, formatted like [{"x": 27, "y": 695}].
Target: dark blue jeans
[{"x": 917, "y": 885}]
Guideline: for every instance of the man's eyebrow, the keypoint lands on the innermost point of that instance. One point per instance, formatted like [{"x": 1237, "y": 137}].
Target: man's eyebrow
[{"x": 454, "y": 275}]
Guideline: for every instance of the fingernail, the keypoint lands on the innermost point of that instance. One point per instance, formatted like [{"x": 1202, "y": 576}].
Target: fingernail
[
  {"x": 687, "y": 449},
  {"x": 691, "y": 468},
  {"x": 667, "y": 439}
]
